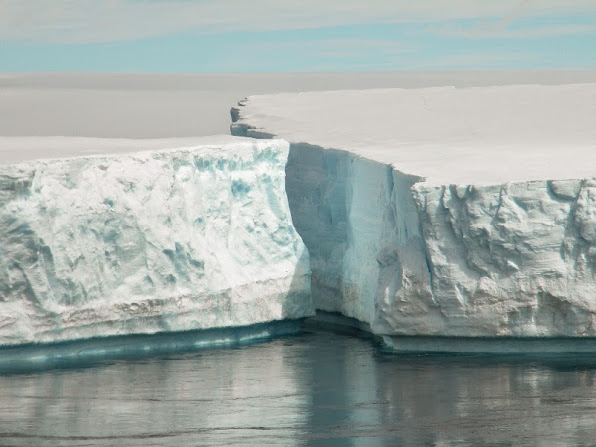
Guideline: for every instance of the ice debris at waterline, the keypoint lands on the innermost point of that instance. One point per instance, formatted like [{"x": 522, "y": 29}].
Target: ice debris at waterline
[
  {"x": 182, "y": 237},
  {"x": 444, "y": 212}
]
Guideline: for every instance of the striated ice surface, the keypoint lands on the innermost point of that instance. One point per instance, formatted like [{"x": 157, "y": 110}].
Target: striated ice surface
[
  {"x": 444, "y": 212},
  {"x": 178, "y": 238}
]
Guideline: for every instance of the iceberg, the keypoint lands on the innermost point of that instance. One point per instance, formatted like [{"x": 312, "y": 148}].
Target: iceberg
[
  {"x": 425, "y": 216},
  {"x": 109, "y": 237},
  {"x": 443, "y": 213}
]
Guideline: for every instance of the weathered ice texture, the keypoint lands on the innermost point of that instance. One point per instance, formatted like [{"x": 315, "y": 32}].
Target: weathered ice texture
[
  {"x": 513, "y": 259},
  {"x": 166, "y": 240},
  {"x": 475, "y": 256}
]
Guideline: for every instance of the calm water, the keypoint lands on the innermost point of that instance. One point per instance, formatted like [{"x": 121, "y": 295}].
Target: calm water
[{"x": 314, "y": 389}]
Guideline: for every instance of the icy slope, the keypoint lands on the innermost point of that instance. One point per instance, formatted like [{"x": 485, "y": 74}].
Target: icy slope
[
  {"x": 443, "y": 211},
  {"x": 186, "y": 237}
]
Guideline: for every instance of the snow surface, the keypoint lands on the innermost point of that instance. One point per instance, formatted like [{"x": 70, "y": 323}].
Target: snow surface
[
  {"x": 482, "y": 135},
  {"x": 183, "y": 236},
  {"x": 158, "y": 105},
  {"x": 15, "y": 149},
  {"x": 444, "y": 212}
]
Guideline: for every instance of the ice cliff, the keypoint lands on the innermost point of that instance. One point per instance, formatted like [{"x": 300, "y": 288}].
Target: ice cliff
[
  {"x": 444, "y": 212},
  {"x": 177, "y": 238},
  {"x": 426, "y": 212}
]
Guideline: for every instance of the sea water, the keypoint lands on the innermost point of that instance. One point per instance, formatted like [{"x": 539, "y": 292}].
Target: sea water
[{"x": 317, "y": 388}]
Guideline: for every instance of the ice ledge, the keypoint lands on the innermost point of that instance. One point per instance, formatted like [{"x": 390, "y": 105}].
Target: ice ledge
[
  {"x": 43, "y": 356},
  {"x": 527, "y": 346},
  {"x": 490, "y": 345}
]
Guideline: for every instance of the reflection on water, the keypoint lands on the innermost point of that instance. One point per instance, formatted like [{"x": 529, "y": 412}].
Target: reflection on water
[{"x": 310, "y": 390}]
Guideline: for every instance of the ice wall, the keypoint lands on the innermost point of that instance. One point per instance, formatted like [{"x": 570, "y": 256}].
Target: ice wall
[
  {"x": 411, "y": 257},
  {"x": 512, "y": 259},
  {"x": 166, "y": 240},
  {"x": 360, "y": 223},
  {"x": 360, "y": 226}
]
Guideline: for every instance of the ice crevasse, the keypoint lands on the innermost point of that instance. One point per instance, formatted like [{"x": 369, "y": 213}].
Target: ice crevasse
[
  {"x": 450, "y": 212},
  {"x": 184, "y": 234}
]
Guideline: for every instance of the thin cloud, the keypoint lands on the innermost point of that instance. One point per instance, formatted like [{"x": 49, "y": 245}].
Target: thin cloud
[
  {"x": 88, "y": 21},
  {"x": 492, "y": 30},
  {"x": 474, "y": 61},
  {"x": 338, "y": 48}
]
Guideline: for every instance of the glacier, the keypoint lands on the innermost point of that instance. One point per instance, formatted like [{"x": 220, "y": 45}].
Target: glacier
[
  {"x": 443, "y": 214},
  {"x": 115, "y": 237}
]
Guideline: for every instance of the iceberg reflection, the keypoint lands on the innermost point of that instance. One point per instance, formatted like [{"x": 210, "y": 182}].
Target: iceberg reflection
[{"x": 313, "y": 389}]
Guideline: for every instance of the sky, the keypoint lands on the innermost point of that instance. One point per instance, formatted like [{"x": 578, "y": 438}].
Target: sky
[{"x": 239, "y": 36}]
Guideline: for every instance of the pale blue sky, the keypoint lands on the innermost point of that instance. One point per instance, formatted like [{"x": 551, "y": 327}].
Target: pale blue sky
[{"x": 292, "y": 35}]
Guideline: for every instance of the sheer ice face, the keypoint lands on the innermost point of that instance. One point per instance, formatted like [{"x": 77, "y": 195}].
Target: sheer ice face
[
  {"x": 187, "y": 237},
  {"x": 443, "y": 211}
]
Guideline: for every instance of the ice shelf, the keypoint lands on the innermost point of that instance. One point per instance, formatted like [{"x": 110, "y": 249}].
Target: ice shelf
[{"x": 446, "y": 212}]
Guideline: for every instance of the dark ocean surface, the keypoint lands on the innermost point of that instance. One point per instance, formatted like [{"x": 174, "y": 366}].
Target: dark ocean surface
[{"x": 313, "y": 389}]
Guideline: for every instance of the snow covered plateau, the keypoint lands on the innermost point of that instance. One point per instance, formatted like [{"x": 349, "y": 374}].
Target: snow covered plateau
[
  {"x": 184, "y": 234},
  {"x": 448, "y": 212}
]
